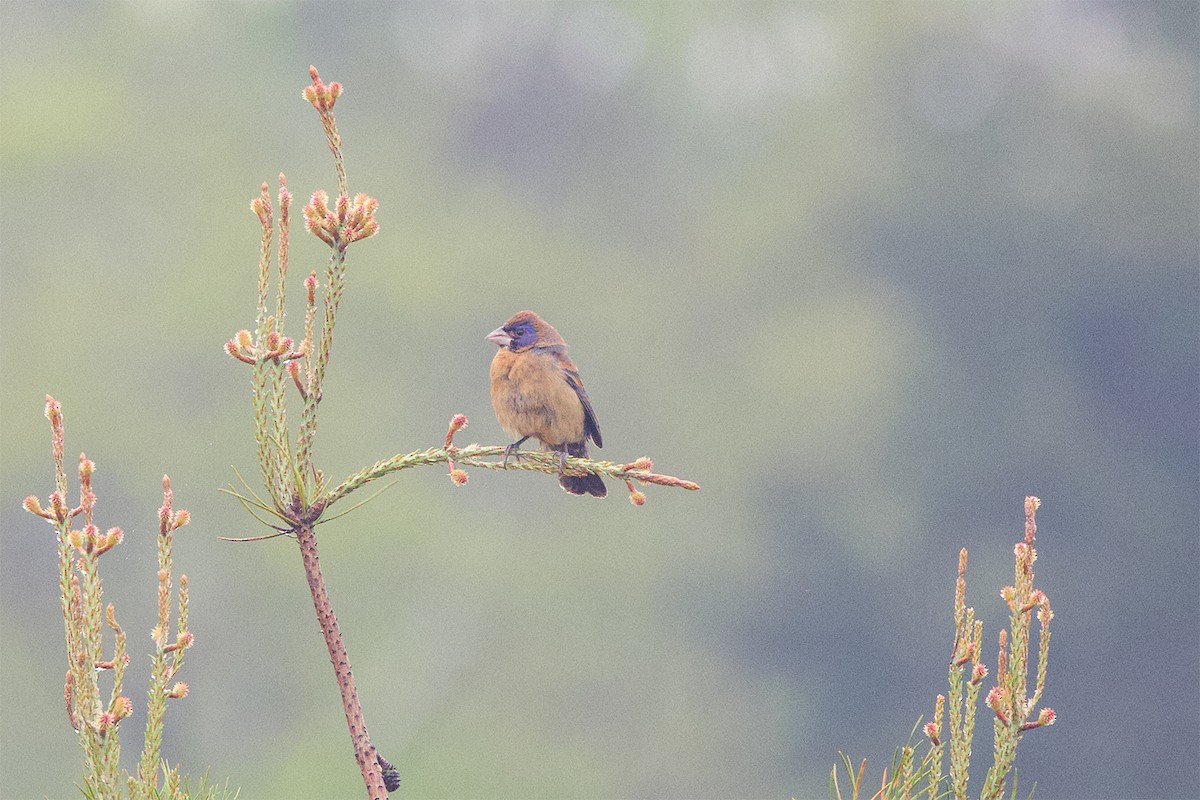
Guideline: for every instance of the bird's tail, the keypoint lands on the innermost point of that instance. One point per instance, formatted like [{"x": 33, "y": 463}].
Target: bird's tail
[{"x": 582, "y": 484}]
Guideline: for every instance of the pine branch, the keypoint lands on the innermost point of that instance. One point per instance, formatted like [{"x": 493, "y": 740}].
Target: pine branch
[{"x": 483, "y": 456}]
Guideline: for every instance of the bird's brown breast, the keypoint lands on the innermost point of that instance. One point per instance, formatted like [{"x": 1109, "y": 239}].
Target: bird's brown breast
[{"x": 531, "y": 397}]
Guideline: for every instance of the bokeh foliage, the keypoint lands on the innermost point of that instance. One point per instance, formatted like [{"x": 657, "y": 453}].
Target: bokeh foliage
[{"x": 869, "y": 273}]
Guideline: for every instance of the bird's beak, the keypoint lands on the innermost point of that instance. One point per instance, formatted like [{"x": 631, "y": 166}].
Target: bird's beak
[{"x": 499, "y": 337}]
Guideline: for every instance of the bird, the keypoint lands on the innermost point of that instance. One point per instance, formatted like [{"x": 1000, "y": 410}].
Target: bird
[{"x": 537, "y": 392}]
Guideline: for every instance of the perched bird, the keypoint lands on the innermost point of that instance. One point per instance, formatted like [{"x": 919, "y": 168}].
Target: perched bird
[{"x": 536, "y": 391}]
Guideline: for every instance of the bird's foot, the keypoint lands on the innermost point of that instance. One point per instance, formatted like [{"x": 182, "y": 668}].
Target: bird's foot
[{"x": 514, "y": 451}]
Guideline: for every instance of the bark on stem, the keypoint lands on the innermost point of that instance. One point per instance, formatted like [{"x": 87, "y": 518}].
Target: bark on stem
[{"x": 364, "y": 751}]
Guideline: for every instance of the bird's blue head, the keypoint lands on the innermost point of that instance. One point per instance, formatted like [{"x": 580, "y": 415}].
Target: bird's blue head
[
  {"x": 523, "y": 334},
  {"x": 525, "y": 330}
]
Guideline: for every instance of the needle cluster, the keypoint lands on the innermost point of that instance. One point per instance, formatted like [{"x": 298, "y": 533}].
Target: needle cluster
[
  {"x": 96, "y": 720},
  {"x": 1011, "y": 703}
]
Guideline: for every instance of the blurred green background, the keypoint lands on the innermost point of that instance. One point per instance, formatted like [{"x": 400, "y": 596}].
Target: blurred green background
[{"x": 869, "y": 273}]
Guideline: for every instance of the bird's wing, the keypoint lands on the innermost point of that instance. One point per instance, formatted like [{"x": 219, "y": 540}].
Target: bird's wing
[{"x": 590, "y": 426}]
